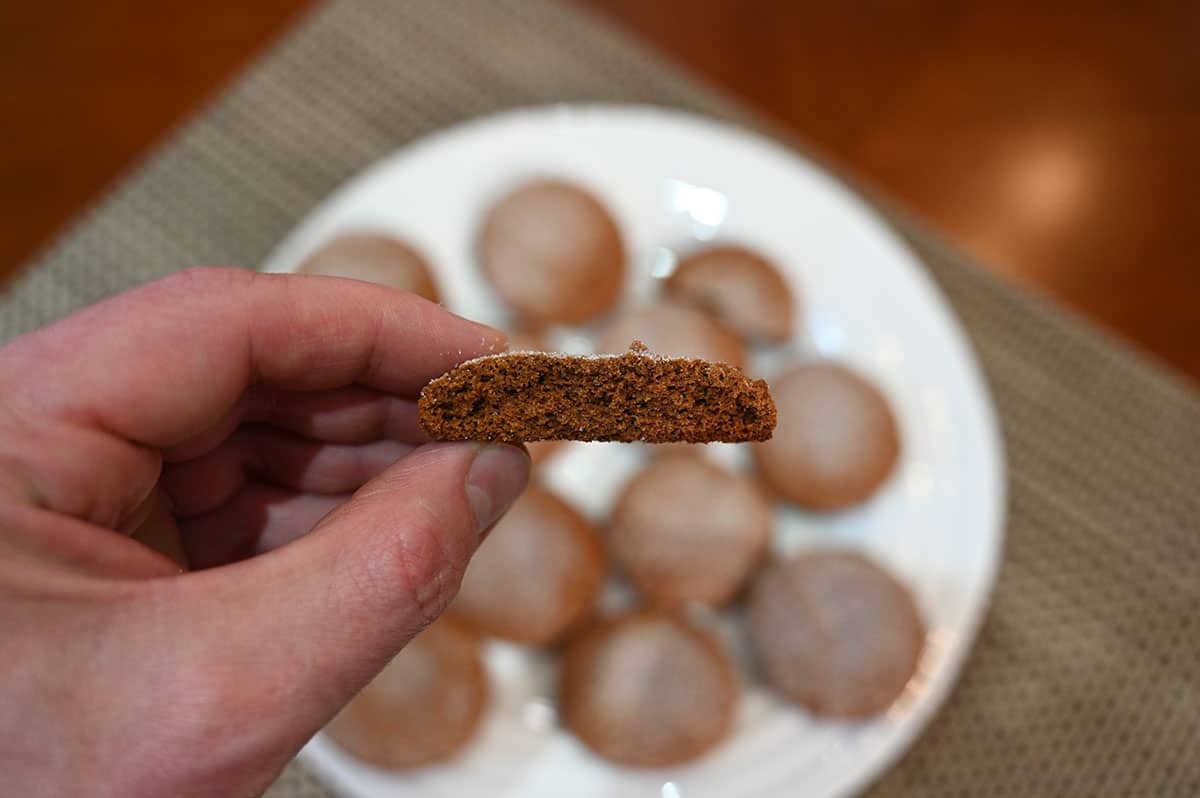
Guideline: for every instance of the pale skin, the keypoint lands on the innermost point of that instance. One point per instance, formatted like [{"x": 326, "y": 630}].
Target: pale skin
[{"x": 266, "y": 425}]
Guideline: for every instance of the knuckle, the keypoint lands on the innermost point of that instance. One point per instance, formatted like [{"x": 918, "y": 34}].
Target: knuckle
[{"x": 420, "y": 564}]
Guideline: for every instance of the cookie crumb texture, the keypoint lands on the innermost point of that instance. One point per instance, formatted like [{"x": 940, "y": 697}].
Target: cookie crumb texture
[{"x": 529, "y": 396}]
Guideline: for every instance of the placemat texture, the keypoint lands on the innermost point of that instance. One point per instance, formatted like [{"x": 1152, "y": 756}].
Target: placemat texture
[{"x": 1086, "y": 677}]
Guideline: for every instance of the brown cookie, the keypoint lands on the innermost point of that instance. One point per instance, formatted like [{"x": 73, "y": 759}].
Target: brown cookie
[
  {"x": 537, "y": 574},
  {"x": 674, "y": 330},
  {"x": 525, "y": 340},
  {"x": 836, "y": 441},
  {"x": 524, "y": 396},
  {"x": 423, "y": 707},
  {"x": 686, "y": 530},
  {"x": 835, "y": 633},
  {"x": 647, "y": 690},
  {"x": 376, "y": 258},
  {"x": 739, "y": 287},
  {"x": 553, "y": 252}
]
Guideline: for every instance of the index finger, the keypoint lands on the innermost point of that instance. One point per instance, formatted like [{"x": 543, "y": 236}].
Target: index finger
[{"x": 159, "y": 363}]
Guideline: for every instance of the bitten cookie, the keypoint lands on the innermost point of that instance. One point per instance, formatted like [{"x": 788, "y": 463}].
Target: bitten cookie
[
  {"x": 647, "y": 690},
  {"x": 376, "y": 258},
  {"x": 553, "y": 252},
  {"x": 536, "y": 575},
  {"x": 687, "y": 530},
  {"x": 525, "y": 340},
  {"x": 424, "y": 706},
  {"x": 527, "y": 396},
  {"x": 835, "y": 633},
  {"x": 836, "y": 441}
]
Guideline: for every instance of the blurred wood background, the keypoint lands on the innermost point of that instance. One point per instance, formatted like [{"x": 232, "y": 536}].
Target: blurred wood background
[{"x": 1057, "y": 141}]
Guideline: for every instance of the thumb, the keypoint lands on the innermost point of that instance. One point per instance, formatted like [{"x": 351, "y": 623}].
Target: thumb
[{"x": 286, "y": 638}]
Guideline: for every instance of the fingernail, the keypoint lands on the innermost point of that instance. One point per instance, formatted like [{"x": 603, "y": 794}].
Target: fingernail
[{"x": 494, "y": 481}]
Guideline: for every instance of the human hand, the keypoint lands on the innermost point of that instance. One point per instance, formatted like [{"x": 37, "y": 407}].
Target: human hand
[{"x": 254, "y": 407}]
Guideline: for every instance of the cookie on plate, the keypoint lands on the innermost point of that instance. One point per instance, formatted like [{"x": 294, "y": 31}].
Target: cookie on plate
[
  {"x": 740, "y": 287},
  {"x": 835, "y": 633},
  {"x": 553, "y": 252},
  {"x": 674, "y": 330},
  {"x": 536, "y": 575},
  {"x": 836, "y": 441},
  {"x": 376, "y": 258},
  {"x": 685, "y": 529},
  {"x": 423, "y": 707},
  {"x": 647, "y": 690}
]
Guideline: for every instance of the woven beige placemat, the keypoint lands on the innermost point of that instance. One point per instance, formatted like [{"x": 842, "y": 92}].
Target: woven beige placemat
[{"x": 1086, "y": 678}]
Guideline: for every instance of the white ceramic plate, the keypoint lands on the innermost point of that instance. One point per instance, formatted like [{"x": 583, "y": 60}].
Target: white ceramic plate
[{"x": 673, "y": 181}]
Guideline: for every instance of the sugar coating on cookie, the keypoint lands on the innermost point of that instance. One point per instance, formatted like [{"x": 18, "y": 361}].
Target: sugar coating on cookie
[
  {"x": 685, "y": 529},
  {"x": 423, "y": 707},
  {"x": 674, "y": 330},
  {"x": 553, "y": 252},
  {"x": 835, "y": 633},
  {"x": 647, "y": 690},
  {"x": 636, "y": 396},
  {"x": 536, "y": 575},
  {"x": 738, "y": 286},
  {"x": 376, "y": 258},
  {"x": 836, "y": 441}
]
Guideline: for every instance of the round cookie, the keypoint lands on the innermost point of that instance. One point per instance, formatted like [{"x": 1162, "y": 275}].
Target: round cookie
[
  {"x": 376, "y": 258},
  {"x": 835, "y": 633},
  {"x": 836, "y": 440},
  {"x": 647, "y": 690},
  {"x": 673, "y": 330},
  {"x": 553, "y": 252},
  {"x": 537, "y": 574},
  {"x": 687, "y": 530},
  {"x": 422, "y": 707},
  {"x": 739, "y": 287}
]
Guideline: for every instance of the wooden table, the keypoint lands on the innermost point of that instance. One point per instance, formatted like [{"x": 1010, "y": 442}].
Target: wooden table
[{"x": 1057, "y": 141}]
